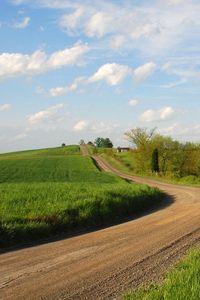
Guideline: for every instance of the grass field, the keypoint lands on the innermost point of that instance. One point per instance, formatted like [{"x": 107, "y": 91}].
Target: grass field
[
  {"x": 59, "y": 151},
  {"x": 125, "y": 163},
  {"x": 44, "y": 192},
  {"x": 182, "y": 282}
]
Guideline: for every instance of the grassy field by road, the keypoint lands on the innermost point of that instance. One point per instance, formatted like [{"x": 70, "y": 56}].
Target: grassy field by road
[
  {"x": 44, "y": 192},
  {"x": 182, "y": 282},
  {"x": 125, "y": 163}
]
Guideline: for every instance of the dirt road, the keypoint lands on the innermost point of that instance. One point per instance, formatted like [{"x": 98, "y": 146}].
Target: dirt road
[
  {"x": 84, "y": 150},
  {"x": 106, "y": 263}
]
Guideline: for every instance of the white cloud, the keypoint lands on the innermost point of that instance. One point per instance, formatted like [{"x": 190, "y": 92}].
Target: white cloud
[
  {"x": 57, "y": 4},
  {"x": 20, "y": 136},
  {"x": 143, "y": 72},
  {"x": 69, "y": 22},
  {"x": 45, "y": 115},
  {"x": 69, "y": 56},
  {"x": 145, "y": 30},
  {"x": 185, "y": 71},
  {"x": 184, "y": 132},
  {"x": 152, "y": 28},
  {"x": 176, "y": 1},
  {"x": 174, "y": 84},
  {"x": 16, "y": 64},
  {"x": 59, "y": 91},
  {"x": 6, "y": 106},
  {"x": 113, "y": 73},
  {"x": 102, "y": 127},
  {"x": 80, "y": 126},
  {"x": 166, "y": 67},
  {"x": 162, "y": 114},
  {"x": 133, "y": 102},
  {"x": 23, "y": 24},
  {"x": 117, "y": 42},
  {"x": 99, "y": 24}
]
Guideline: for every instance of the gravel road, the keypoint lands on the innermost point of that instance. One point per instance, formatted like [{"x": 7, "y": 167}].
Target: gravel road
[{"x": 106, "y": 263}]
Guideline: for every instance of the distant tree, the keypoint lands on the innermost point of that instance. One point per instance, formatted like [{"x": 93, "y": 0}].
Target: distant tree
[
  {"x": 81, "y": 142},
  {"x": 155, "y": 161},
  {"x": 63, "y": 145},
  {"x": 108, "y": 143},
  {"x": 98, "y": 142},
  {"x": 154, "y": 152},
  {"x": 140, "y": 136},
  {"x": 103, "y": 143},
  {"x": 90, "y": 143}
]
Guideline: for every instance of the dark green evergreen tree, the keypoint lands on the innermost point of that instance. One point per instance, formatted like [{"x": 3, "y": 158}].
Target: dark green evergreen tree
[{"x": 155, "y": 161}]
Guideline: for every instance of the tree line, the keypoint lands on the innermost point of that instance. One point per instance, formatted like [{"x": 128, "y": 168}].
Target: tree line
[{"x": 154, "y": 152}]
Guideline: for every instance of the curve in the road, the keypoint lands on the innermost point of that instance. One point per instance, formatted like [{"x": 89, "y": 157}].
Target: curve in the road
[{"x": 106, "y": 263}]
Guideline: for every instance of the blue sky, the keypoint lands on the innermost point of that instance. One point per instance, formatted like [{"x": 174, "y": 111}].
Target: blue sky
[{"x": 82, "y": 69}]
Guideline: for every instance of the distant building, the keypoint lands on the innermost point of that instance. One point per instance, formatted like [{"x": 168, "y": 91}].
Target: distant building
[
  {"x": 123, "y": 149},
  {"x": 91, "y": 144}
]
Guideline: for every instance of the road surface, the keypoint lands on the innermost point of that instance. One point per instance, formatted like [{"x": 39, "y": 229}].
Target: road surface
[{"x": 106, "y": 263}]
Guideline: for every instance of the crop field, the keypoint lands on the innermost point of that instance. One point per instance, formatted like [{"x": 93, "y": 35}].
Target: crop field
[
  {"x": 181, "y": 283},
  {"x": 59, "y": 151},
  {"x": 44, "y": 192}
]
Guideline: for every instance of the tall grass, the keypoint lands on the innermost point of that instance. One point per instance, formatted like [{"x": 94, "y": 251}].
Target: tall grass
[
  {"x": 35, "y": 210},
  {"x": 43, "y": 194},
  {"x": 181, "y": 283}
]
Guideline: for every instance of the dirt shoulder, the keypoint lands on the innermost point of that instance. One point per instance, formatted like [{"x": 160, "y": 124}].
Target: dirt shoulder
[{"x": 107, "y": 263}]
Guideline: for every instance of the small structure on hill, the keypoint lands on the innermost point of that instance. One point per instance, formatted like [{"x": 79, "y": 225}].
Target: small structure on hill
[
  {"x": 123, "y": 149},
  {"x": 91, "y": 144}
]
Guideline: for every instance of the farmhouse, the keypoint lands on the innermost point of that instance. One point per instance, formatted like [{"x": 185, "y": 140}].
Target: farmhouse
[{"x": 123, "y": 149}]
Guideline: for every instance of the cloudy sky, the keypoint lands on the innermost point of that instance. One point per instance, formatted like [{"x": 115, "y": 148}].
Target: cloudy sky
[{"x": 82, "y": 69}]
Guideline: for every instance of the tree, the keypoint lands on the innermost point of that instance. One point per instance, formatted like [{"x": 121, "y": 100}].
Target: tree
[
  {"x": 98, "y": 142},
  {"x": 103, "y": 143},
  {"x": 63, "y": 145},
  {"x": 108, "y": 143},
  {"x": 164, "y": 144},
  {"x": 140, "y": 136},
  {"x": 81, "y": 142},
  {"x": 90, "y": 144},
  {"x": 155, "y": 161},
  {"x": 157, "y": 153}
]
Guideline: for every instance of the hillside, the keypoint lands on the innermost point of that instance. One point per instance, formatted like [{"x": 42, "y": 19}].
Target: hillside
[
  {"x": 103, "y": 263},
  {"x": 45, "y": 192}
]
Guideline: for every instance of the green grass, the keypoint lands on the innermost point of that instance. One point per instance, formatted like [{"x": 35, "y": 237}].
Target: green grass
[
  {"x": 181, "y": 283},
  {"x": 59, "y": 151},
  {"x": 48, "y": 191},
  {"x": 29, "y": 211},
  {"x": 54, "y": 169},
  {"x": 124, "y": 162}
]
